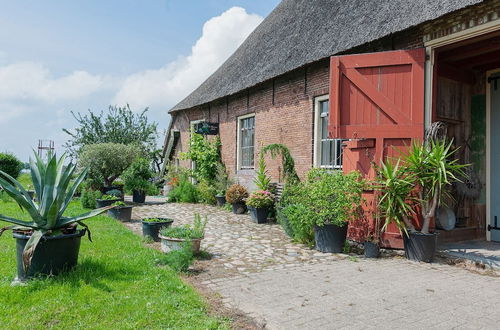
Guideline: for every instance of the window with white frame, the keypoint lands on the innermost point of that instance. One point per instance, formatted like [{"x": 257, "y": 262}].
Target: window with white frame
[
  {"x": 246, "y": 141},
  {"x": 327, "y": 152}
]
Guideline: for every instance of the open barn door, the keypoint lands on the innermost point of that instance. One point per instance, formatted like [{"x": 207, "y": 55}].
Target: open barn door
[{"x": 377, "y": 103}]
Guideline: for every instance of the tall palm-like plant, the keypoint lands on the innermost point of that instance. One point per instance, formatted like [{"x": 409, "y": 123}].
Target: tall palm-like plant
[{"x": 54, "y": 191}]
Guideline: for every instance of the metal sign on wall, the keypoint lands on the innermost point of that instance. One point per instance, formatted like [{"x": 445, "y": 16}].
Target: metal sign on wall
[{"x": 206, "y": 128}]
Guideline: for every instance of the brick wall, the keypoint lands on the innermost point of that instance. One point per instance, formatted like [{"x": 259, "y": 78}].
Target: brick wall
[{"x": 284, "y": 107}]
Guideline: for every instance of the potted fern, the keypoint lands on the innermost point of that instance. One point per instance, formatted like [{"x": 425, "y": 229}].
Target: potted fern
[
  {"x": 260, "y": 202},
  {"x": 412, "y": 189},
  {"x": 175, "y": 238},
  {"x": 50, "y": 242}
]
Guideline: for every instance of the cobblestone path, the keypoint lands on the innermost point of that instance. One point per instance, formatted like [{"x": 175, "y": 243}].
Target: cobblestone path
[{"x": 256, "y": 269}]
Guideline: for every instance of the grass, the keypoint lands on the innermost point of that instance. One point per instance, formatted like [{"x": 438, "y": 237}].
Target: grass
[{"x": 117, "y": 284}]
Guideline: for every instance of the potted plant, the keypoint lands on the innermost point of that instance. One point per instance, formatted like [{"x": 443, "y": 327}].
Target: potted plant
[
  {"x": 330, "y": 199},
  {"x": 106, "y": 200},
  {"x": 236, "y": 195},
  {"x": 174, "y": 238},
  {"x": 372, "y": 240},
  {"x": 221, "y": 183},
  {"x": 121, "y": 211},
  {"x": 413, "y": 189},
  {"x": 50, "y": 242},
  {"x": 115, "y": 193},
  {"x": 259, "y": 203},
  {"x": 137, "y": 179},
  {"x": 152, "y": 226}
]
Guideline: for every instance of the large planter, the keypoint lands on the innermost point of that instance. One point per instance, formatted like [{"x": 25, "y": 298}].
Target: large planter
[
  {"x": 152, "y": 229},
  {"x": 105, "y": 202},
  {"x": 221, "y": 200},
  {"x": 420, "y": 247},
  {"x": 259, "y": 214},
  {"x": 138, "y": 196},
  {"x": 169, "y": 244},
  {"x": 330, "y": 238},
  {"x": 239, "y": 208},
  {"x": 53, "y": 255},
  {"x": 372, "y": 250},
  {"x": 122, "y": 213}
]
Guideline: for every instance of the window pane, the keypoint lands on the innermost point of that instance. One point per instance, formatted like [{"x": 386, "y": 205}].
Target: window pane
[
  {"x": 247, "y": 137},
  {"x": 324, "y": 105},
  {"x": 324, "y": 128}
]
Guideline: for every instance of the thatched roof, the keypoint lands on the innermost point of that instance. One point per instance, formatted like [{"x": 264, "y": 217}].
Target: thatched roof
[{"x": 299, "y": 32}]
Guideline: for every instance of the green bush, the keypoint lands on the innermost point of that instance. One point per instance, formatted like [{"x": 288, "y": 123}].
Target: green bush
[
  {"x": 88, "y": 197},
  {"x": 298, "y": 217},
  {"x": 179, "y": 260},
  {"x": 205, "y": 153},
  {"x": 107, "y": 161},
  {"x": 206, "y": 192},
  {"x": 184, "y": 192},
  {"x": 10, "y": 164},
  {"x": 137, "y": 177}
]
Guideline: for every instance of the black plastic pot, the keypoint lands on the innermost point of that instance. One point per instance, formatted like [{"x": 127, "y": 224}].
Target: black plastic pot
[
  {"x": 105, "y": 202},
  {"x": 330, "y": 238},
  {"x": 151, "y": 229},
  {"x": 259, "y": 214},
  {"x": 122, "y": 213},
  {"x": 239, "y": 208},
  {"x": 138, "y": 196},
  {"x": 53, "y": 255},
  {"x": 420, "y": 247},
  {"x": 372, "y": 250},
  {"x": 221, "y": 200}
]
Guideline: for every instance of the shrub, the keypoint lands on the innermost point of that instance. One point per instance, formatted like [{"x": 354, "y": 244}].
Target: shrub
[
  {"x": 300, "y": 227},
  {"x": 10, "y": 164},
  {"x": 107, "y": 161},
  {"x": 114, "y": 192},
  {"x": 260, "y": 199},
  {"x": 88, "y": 198},
  {"x": 197, "y": 230},
  {"x": 206, "y": 192},
  {"x": 179, "y": 260},
  {"x": 137, "y": 176},
  {"x": 236, "y": 194},
  {"x": 221, "y": 182},
  {"x": 185, "y": 192}
]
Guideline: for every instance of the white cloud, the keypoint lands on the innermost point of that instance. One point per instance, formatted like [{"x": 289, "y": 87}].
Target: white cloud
[
  {"x": 30, "y": 81},
  {"x": 165, "y": 86}
]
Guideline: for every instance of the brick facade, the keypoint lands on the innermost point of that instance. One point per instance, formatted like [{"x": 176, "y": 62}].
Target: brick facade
[{"x": 284, "y": 106}]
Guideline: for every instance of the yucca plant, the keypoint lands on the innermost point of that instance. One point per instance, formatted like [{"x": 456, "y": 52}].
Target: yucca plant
[{"x": 54, "y": 191}]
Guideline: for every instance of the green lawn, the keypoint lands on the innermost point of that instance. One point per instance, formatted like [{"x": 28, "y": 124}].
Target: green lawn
[{"x": 117, "y": 285}]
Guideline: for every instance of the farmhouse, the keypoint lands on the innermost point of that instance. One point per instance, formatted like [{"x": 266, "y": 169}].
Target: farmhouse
[{"x": 344, "y": 84}]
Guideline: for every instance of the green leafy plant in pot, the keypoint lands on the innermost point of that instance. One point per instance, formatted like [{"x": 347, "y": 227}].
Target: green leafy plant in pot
[
  {"x": 259, "y": 204},
  {"x": 50, "y": 242},
  {"x": 236, "y": 195},
  {"x": 152, "y": 226},
  {"x": 221, "y": 182},
  {"x": 175, "y": 238},
  {"x": 412, "y": 188},
  {"x": 137, "y": 179},
  {"x": 121, "y": 211},
  {"x": 106, "y": 200},
  {"x": 329, "y": 200}
]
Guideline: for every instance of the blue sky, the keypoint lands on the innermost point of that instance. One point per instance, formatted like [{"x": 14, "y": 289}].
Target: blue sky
[{"x": 57, "y": 56}]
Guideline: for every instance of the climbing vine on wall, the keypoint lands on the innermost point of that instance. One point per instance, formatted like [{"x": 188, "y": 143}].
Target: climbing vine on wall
[
  {"x": 205, "y": 154},
  {"x": 276, "y": 149}
]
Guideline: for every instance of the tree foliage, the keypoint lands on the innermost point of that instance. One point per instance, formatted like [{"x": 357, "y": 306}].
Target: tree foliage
[
  {"x": 138, "y": 175},
  {"x": 107, "y": 161},
  {"x": 205, "y": 154},
  {"x": 118, "y": 125},
  {"x": 10, "y": 164}
]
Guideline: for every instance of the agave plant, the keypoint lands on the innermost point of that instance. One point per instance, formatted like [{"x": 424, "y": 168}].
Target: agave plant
[{"x": 54, "y": 191}]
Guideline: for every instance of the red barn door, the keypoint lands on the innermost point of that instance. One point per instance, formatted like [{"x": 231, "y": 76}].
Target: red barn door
[{"x": 377, "y": 102}]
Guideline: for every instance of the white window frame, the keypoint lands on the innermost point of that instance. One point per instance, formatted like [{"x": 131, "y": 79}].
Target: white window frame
[
  {"x": 317, "y": 134},
  {"x": 238, "y": 142}
]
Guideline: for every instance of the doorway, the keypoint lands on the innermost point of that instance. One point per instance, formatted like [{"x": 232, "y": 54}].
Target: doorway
[{"x": 493, "y": 228}]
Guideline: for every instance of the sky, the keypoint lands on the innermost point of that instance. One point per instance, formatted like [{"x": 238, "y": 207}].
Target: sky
[{"x": 58, "y": 56}]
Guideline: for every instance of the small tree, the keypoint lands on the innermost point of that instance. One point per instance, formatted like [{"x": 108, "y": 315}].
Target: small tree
[
  {"x": 138, "y": 175},
  {"x": 107, "y": 161},
  {"x": 262, "y": 180},
  {"x": 118, "y": 125},
  {"x": 205, "y": 154},
  {"x": 10, "y": 164}
]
